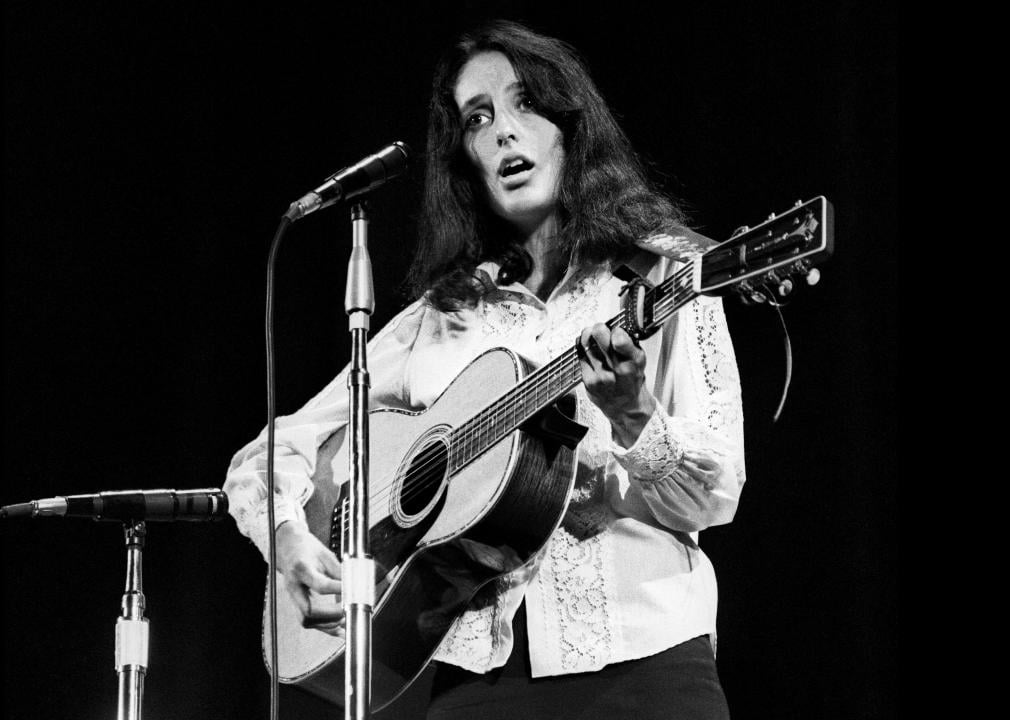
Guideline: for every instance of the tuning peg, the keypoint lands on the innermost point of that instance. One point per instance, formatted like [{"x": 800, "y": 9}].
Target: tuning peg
[
  {"x": 813, "y": 277},
  {"x": 785, "y": 287}
]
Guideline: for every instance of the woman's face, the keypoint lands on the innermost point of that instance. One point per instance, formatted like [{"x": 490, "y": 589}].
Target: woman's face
[{"x": 517, "y": 153}]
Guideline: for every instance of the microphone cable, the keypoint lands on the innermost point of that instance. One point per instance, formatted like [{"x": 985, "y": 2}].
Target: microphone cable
[
  {"x": 271, "y": 415},
  {"x": 361, "y": 174}
]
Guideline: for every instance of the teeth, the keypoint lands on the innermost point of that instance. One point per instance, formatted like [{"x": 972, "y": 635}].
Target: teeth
[{"x": 514, "y": 166}]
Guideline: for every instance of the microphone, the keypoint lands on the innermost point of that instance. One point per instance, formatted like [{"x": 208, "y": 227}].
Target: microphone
[
  {"x": 124, "y": 505},
  {"x": 365, "y": 175}
]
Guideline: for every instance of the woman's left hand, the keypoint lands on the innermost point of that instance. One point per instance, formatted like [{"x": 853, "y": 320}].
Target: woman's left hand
[{"x": 613, "y": 369}]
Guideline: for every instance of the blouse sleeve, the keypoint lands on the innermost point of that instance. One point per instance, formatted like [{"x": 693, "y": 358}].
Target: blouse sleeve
[
  {"x": 686, "y": 469},
  {"x": 298, "y": 437}
]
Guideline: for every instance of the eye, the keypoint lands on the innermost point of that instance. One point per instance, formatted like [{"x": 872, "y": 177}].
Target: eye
[
  {"x": 476, "y": 120},
  {"x": 525, "y": 102}
]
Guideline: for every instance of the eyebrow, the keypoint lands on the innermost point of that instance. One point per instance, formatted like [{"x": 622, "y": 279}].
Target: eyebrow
[{"x": 482, "y": 97}]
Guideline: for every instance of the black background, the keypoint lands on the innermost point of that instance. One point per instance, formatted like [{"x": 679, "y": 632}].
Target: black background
[{"x": 149, "y": 151}]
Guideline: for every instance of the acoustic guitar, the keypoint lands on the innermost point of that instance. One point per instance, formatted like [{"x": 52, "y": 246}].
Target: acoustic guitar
[{"x": 472, "y": 487}]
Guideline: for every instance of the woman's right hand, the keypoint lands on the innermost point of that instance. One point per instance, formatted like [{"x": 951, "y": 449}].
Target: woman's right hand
[{"x": 311, "y": 577}]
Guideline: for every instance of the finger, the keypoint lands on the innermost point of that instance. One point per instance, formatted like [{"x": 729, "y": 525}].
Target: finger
[
  {"x": 316, "y": 576},
  {"x": 330, "y": 564},
  {"x": 589, "y": 364},
  {"x": 299, "y": 595},
  {"x": 330, "y": 629},
  {"x": 594, "y": 375},
  {"x": 629, "y": 368},
  {"x": 601, "y": 335},
  {"x": 320, "y": 583},
  {"x": 624, "y": 346},
  {"x": 337, "y": 630},
  {"x": 598, "y": 346},
  {"x": 599, "y": 355},
  {"x": 322, "y": 610},
  {"x": 314, "y": 603}
]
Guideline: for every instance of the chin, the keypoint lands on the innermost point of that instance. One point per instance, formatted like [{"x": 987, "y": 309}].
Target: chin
[{"x": 524, "y": 214}]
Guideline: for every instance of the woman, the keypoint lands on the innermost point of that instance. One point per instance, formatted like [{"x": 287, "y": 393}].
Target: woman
[{"x": 534, "y": 205}]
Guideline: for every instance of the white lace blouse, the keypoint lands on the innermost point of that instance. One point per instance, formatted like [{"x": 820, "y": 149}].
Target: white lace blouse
[{"x": 623, "y": 577}]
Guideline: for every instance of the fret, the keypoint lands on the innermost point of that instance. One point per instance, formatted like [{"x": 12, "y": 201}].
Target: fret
[
  {"x": 465, "y": 443},
  {"x": 486, "y": 423},
  {"x": 512, "y": 402},
  {"x": 474, "y": 438},
  {"x": 455, "y": 453}
]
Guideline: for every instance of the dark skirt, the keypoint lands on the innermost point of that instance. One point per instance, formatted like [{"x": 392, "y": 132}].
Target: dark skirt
[{"x": 677, "y": 684}]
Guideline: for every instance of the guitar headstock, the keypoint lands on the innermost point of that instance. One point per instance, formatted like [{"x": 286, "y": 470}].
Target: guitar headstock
[{"x": 772, "y": 253}]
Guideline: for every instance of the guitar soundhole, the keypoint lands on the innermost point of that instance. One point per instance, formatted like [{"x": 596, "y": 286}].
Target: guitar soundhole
[{"x": 421, "y": 481}]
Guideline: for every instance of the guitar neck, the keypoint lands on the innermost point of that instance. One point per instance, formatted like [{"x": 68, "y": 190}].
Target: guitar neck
[
  {"x": 547, "y": 384},
  {"x": 782, "y": 246}
]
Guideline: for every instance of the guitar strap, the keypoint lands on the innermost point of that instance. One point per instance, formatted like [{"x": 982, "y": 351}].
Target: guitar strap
[
  {"x": 681, "y": 245},
  {"x": 626, "y": 274}
]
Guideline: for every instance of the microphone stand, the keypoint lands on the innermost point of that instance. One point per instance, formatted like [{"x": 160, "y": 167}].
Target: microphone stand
[
  {"x": 357, "y": 567},
  {"x": 132, "y": 628}
]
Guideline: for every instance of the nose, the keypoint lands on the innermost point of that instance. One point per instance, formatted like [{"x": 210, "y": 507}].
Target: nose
[
  {"x": 506, "y": 130},
  {"x": 505, "y": 136}
]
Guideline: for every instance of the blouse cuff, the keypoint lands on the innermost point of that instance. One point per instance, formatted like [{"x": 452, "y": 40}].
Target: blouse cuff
[
  {"x": 253, "y": 522},
  {"x": 655, "y": 454}
]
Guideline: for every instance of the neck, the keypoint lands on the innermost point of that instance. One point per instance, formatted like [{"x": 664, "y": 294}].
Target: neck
[{"x": 549, "y": 260}]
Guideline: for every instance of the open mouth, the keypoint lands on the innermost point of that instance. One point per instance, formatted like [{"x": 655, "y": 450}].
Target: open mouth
[{"x": 514, "y": 167}]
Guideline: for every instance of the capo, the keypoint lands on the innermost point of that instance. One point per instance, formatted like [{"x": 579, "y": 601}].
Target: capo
[{"x": 637, "y": 309}]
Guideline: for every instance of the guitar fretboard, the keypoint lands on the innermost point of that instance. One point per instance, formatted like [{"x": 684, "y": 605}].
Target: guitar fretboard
[{"x": 547, "y": 384}]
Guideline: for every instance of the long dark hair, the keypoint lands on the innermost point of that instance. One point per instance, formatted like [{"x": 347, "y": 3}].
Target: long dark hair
[{"x": 605, "y": 201}]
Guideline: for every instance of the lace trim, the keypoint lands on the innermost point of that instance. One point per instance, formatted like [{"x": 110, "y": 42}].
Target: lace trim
[
  {"x": 587, "y": 505},
  {"x": 253, "y": 520},
  {"x": 655, "y": 454},
  {"x": 583, "y": 616},
  {"x": 574, "y": 558},
  {"x": 579, "y": 303},
  {"x": 255, "y": 523},
  {"x": 718, "y": 365},
  {"x": 504, "y": 318},
  {"x": 476, "y": 637}
]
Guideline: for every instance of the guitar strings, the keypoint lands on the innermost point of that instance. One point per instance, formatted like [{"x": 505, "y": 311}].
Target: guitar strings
[
  {"x": 475, "y": 435},
  {"x": 478, "y": 442},
  {"x": 474, "y": 439},
  {"x": 488, "y": 419},
  {"x": 490, "y": 416},
  {"x": 420, "y": 477}
]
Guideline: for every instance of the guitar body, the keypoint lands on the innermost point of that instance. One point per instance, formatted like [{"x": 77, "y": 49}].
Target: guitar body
[{"x": 438, "y": 541}]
